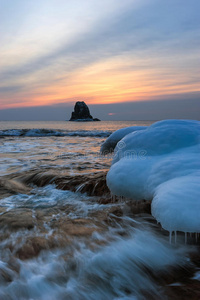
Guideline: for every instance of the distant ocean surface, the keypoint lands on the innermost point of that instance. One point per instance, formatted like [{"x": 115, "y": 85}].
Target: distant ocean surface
[{"x": 73, "y": 146}]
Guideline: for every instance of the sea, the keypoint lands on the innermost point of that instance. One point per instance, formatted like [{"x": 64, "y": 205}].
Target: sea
[
  {"x": 73, "y": 146},
  {"x": 62, "y": 244}
]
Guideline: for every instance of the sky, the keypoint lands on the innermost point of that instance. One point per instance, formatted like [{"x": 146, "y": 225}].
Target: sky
[{"x": 128, "y": 60}]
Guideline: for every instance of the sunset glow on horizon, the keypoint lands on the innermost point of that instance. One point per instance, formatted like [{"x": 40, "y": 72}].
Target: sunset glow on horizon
[{"x": 58, "y": 52}]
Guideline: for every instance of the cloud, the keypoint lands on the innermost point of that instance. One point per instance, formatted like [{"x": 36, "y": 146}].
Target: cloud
[
  {"x": 182, "y": 106},
  {"x": 154, "y": 40},
  {"x": 132, "y": 30}
]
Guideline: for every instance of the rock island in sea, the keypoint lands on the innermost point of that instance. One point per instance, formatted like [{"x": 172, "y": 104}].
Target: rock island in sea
[{"x": 81, "y": 113}]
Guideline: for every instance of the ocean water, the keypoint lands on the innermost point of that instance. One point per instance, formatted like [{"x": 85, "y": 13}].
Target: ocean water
[
  {"x": 72, "y": 146},
  {"x": 58, "y": 244}
]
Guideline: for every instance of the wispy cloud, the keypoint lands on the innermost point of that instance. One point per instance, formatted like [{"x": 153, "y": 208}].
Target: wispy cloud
[{"x": 106, "y": 52}]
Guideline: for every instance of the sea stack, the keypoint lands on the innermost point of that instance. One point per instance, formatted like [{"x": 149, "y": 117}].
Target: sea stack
[{"x": 81, "y": 113}]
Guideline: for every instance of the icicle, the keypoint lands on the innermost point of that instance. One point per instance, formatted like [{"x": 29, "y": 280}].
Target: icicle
[
  {"x": 185, "y": 237},
  {"x": 170, "y": 237},
  {"x": 111, "y": 197},
  {"x": 175, "y": 236}
]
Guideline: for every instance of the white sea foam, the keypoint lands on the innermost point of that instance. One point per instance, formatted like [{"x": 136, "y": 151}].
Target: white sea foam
[
  {"x": 49, "y": 196},
  {"x": 115, "y": 271},
  {"x": 115, "y": 268},
  {"x": 51, "y": 132}
]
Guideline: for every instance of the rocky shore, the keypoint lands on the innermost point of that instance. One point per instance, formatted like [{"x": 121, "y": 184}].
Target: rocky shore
[{"x": 61, "y": 231}]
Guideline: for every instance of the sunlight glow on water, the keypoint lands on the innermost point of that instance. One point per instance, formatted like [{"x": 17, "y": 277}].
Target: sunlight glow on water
[{"x": 73, "y": 153}]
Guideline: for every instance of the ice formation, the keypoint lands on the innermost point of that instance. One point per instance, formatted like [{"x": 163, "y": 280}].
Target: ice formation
[
  {"x": 109, "y": 145},
  {"x": 162, "y": 163}
]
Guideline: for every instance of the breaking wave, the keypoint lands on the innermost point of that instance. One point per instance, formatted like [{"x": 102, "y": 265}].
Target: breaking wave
[{"x": 51, "y": 132}]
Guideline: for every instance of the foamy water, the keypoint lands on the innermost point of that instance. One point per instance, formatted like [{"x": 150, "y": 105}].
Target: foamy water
[
  {"x": 112, "y": 264},
  {"x": 89, "y": 250},
  {"x": 70, "y": 145}
]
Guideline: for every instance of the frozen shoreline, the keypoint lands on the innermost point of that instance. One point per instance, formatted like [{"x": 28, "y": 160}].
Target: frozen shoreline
[
  {"x": 63, "y": 235},
  {"x": 46, "y": 219}
]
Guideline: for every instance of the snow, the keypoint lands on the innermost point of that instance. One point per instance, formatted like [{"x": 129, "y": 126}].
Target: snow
[
  {"x": 161, "y": 163},
  {"x": 109, "y": 145},
  {"x": 176, "y": 204}
]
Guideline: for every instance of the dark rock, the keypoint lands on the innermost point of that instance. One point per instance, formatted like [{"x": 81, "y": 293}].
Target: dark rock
[
  {"x": 82, "y": 113},
  {"x": 93, "y": 184},
  {"x": 17, "y": 219},
  {"x": 9, "y": 187}
]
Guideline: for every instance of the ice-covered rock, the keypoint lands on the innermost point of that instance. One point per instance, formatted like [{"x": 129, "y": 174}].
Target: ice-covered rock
[
  {"x": 109, "y": 145},
  {"x": 176, "y": 204},
  {"x": 162, "y": 163}
]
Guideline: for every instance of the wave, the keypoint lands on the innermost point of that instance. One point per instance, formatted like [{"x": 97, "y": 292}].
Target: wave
[{"x": 51, "y": 132}]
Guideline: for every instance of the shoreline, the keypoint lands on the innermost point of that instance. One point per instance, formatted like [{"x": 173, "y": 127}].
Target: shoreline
[{"x": 94, "y": 186}]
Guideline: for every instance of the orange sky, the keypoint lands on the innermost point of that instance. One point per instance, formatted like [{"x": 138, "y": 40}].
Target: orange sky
[
  {"x": 111, "y": 81},
  {"x": 103, "y": 53}
]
